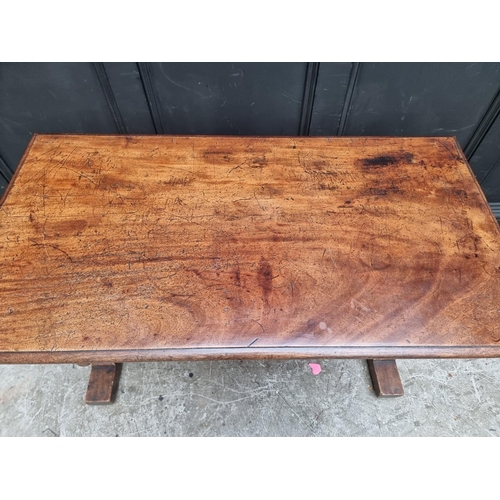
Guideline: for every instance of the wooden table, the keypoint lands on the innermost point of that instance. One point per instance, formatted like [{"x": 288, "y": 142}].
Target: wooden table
[{"x": 149, "y": 248}]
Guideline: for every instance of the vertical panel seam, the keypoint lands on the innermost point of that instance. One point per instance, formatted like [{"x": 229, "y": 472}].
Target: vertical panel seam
[
  {"x": 483, "y": 127},
  {"x": 490, "y": 171},
  {"x": 110, "y": 97},
  {"x": 147, "y": 85},
  {"x": 495, "y": 208},
  {"x": 353, "y": 78},
  {"x": 310, "y": 84},
  {"x": 5, "y": 169}
]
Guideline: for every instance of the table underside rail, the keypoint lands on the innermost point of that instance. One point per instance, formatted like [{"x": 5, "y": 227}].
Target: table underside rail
[{"x": 200, "y": 354}]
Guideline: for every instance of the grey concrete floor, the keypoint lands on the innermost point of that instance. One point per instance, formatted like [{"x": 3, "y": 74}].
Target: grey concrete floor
[{"x": 254, "y": 398}]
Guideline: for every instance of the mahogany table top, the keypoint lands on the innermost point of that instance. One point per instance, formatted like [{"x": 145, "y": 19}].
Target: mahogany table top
[{"x": 120, "y": 248}]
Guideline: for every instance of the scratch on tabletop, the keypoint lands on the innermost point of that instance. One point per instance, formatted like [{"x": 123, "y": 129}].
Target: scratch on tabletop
[
  {"x": 259, "y": 325},
  {"x": 255, "y": 339},
  {"x": 255, "y": 196},
  {"x": 55, "y": 247}
]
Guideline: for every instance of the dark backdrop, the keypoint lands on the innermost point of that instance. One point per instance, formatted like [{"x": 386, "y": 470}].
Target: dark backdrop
[{"x": 401, "y": 99}]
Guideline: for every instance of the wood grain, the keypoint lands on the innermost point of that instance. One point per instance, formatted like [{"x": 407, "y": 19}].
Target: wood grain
[
  {"x": 103, "y": 383},
  {"x": 118, "y": 247},
  {"x": 385, "y": 378}
]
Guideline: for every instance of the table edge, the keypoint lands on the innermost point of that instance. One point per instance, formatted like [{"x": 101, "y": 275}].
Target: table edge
[
  {"x": 18, "y": 169},
  {"x": 235, "y": 353}
]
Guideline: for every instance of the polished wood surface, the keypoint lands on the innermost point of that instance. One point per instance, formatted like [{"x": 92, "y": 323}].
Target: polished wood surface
[
  {"x": 103, "y": 383},
  {"x": 161, "y": 247},
  {"x": 385, "y": 378}
]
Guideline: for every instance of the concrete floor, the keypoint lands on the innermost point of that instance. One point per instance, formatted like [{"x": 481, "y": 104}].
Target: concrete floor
[{"x": 254, "y": 398}]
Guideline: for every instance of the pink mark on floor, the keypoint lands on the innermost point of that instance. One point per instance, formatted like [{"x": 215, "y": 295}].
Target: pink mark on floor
[{"x": 315, "y": 368}]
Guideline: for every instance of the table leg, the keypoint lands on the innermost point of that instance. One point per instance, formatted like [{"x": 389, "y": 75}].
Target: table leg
[
  {"x": 103, "y": 383},
  {"x": 385, "y": 378}
]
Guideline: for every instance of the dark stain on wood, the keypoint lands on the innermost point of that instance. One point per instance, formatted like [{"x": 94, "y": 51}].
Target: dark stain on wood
[
  {"x": 259, "y": 162},
  {"x": 226, "y": 155},
  {"x": 178, "y": 181},
  {"x": 379, "y": 191},
  {"x": 111, "y": 182},
  {"x": 69, "y": 226},
  {"x": 387, "y": 160},
  {"x": 270, "y": 191},
  {"x": 327, "y": 186},
  {"x": 265, "y": 278}
]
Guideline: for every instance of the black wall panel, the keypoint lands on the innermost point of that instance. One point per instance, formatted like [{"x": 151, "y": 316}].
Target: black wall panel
[
  {"x": 5, "y": 170},
  {"x": 331, "y": 89},
  {"x": 126, "y": 84},
  {"x": 49, "y": 98},
  {"x": 443, "y": 99},
  {"x": 487, "y": 155},
  {"x": 399, "y": 99},
  {"x": 3, "y": 183},
  {"x": 491, "y": 184},
  {"x": 486, "y": 163},
  {"x": 228, "y": 98}
]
